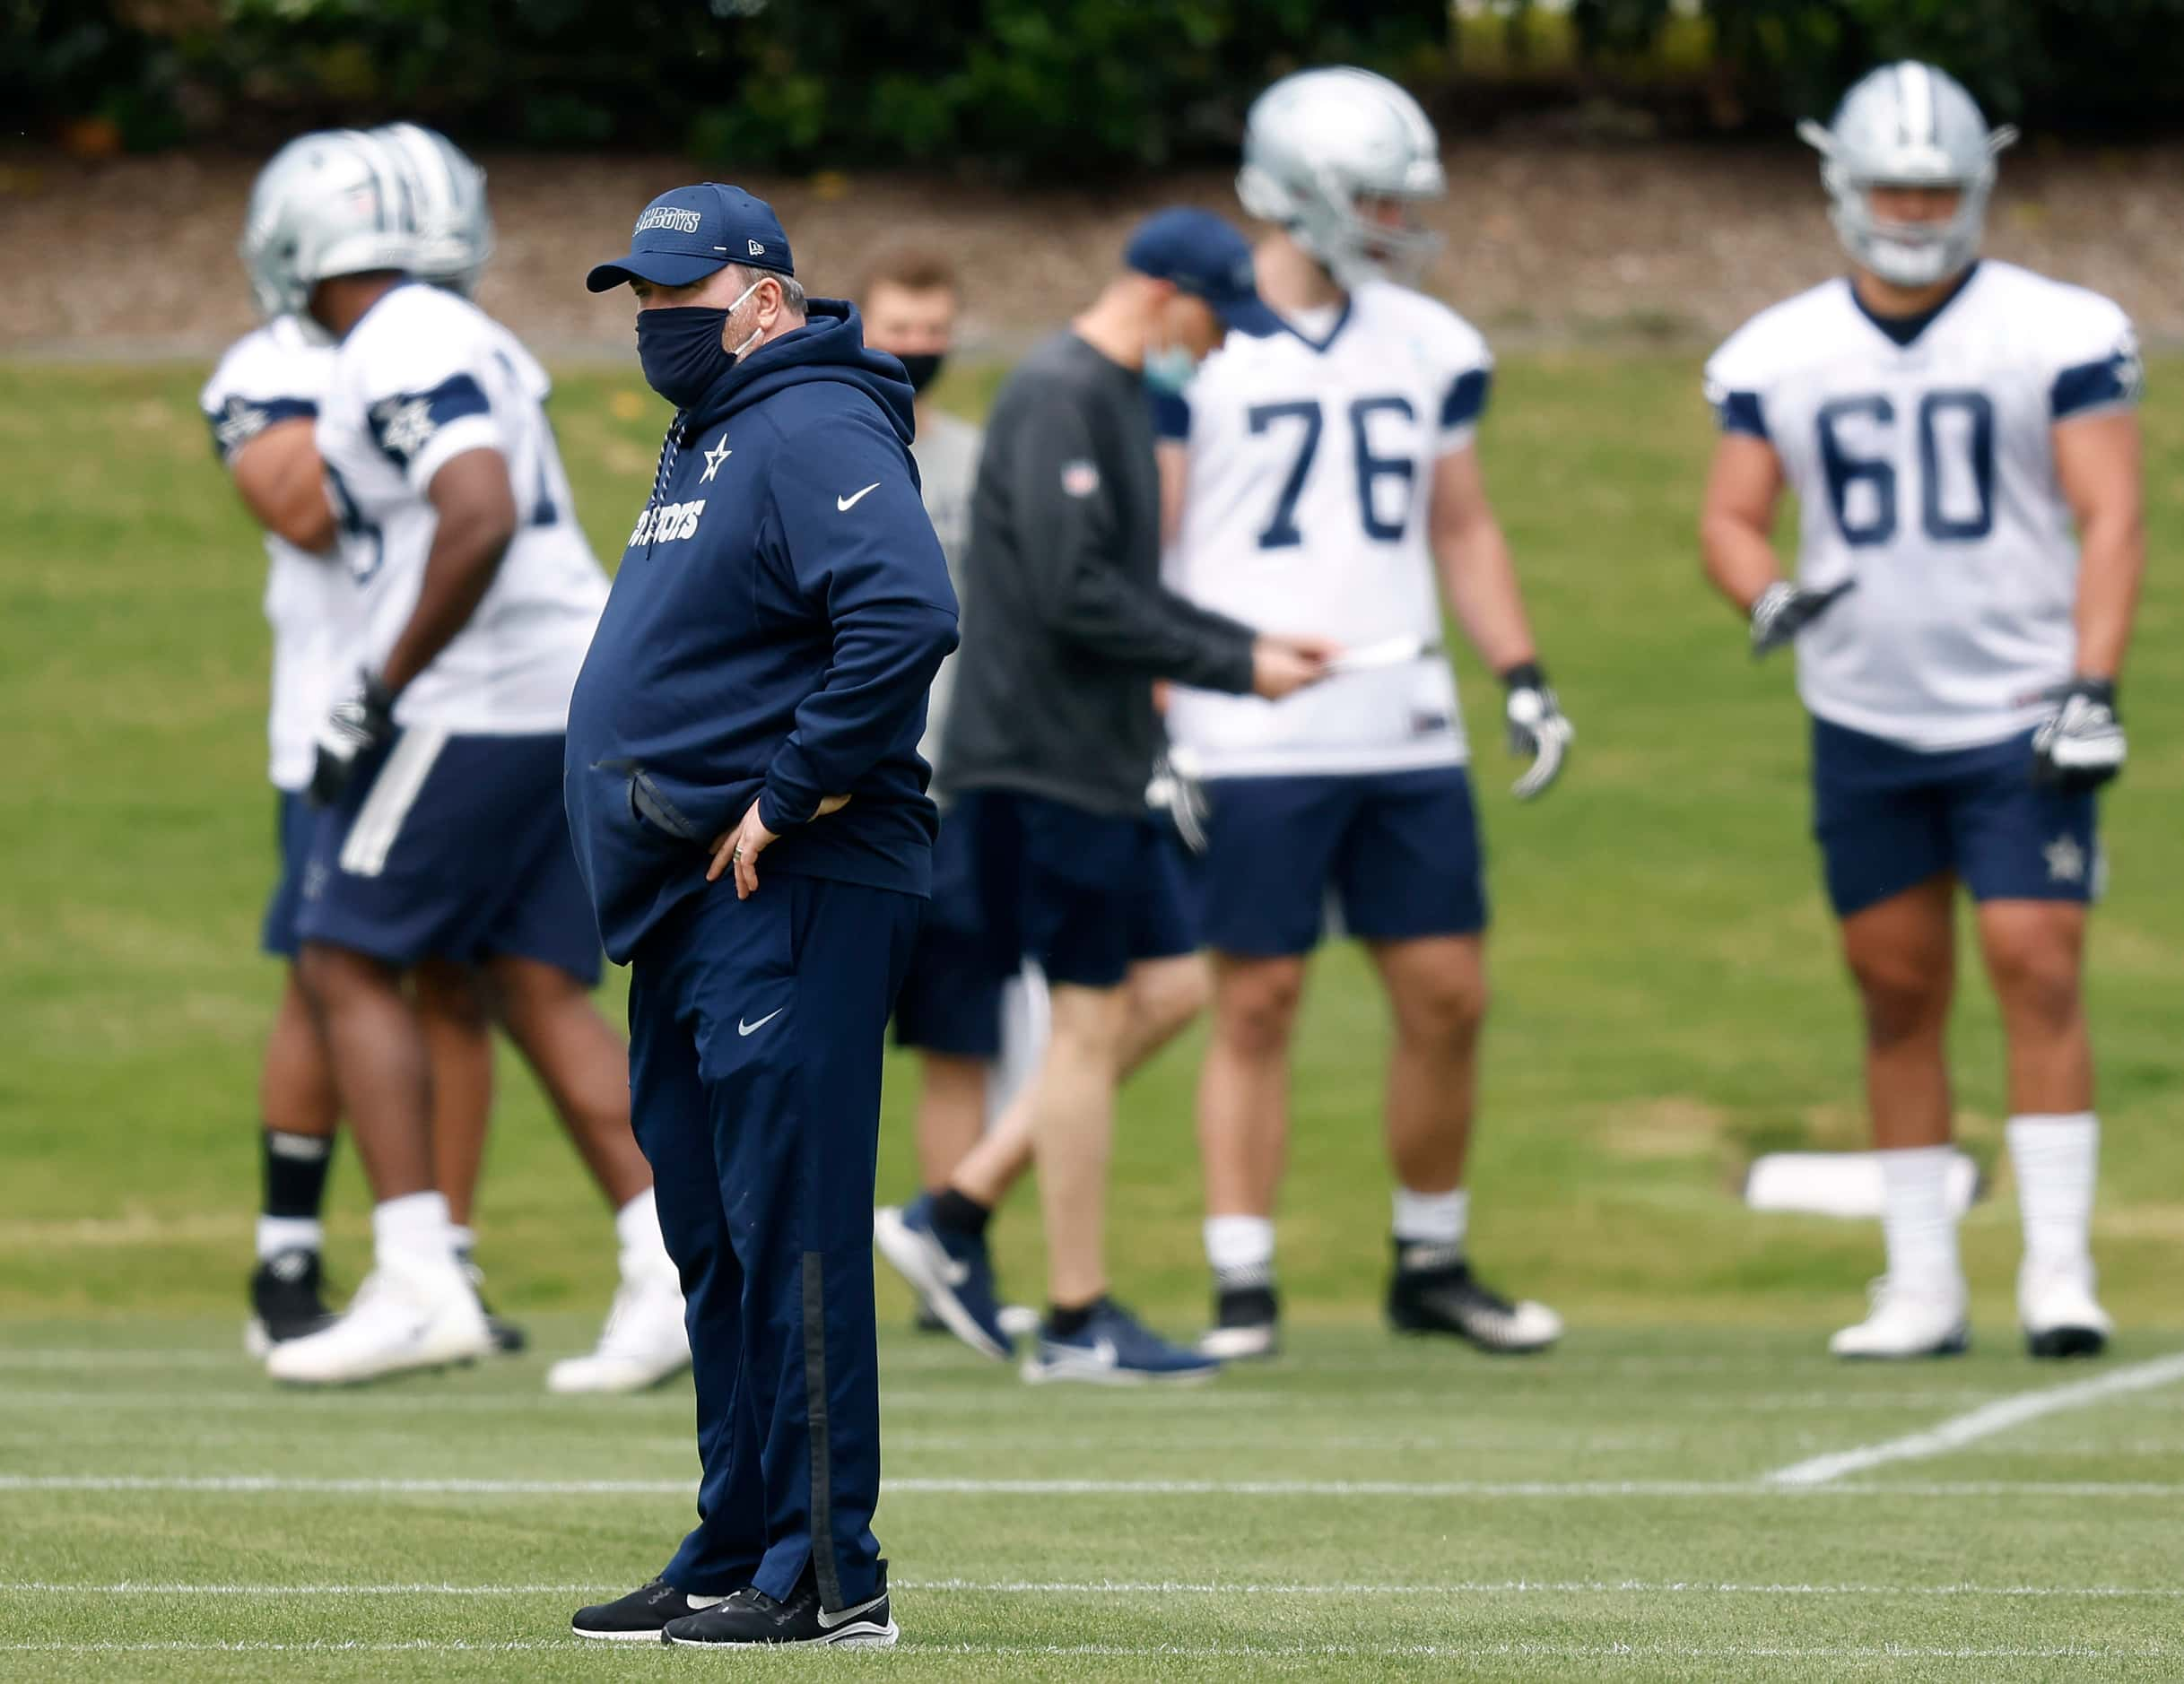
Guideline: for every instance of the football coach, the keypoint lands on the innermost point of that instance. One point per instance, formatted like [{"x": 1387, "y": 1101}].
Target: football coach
[{"x": 749, "y": 814}]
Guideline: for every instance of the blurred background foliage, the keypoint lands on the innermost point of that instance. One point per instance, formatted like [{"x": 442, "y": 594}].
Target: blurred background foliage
[{"x": 1032, "y": 87}]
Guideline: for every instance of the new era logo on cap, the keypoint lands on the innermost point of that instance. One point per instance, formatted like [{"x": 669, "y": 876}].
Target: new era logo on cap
[{"x": 686, "y": 234}]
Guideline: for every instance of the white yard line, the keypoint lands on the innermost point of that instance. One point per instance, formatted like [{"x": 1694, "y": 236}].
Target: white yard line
[
  {"x": 252, "y": 1484},
  {"x": 1180, "y": 1651},
  {"x": 1173, "y": 1587},
  {"x": 1984, "y": 1422}
]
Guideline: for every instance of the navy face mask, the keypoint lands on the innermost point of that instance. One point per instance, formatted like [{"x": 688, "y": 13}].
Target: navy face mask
[
  {"x": 921, "y": 366},
  {"x": 681, "y": 349}
]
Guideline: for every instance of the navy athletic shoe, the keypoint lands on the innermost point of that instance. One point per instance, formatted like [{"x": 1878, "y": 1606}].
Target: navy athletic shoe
[
  {"x": 751, "y": 1619},
  {"x": 952, "y": 1273},
  {"x": 641, "y": 1616},
  {"x": 1114, "y": 1348}
]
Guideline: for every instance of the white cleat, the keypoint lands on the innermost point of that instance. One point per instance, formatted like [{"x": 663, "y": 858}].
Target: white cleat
[
  {"x": 2058, "y": 1312},
  {"x": 645, "y": 1341},
  {"x": 1905, "y": 1324},
  {"x": 403, "y": 1317}
]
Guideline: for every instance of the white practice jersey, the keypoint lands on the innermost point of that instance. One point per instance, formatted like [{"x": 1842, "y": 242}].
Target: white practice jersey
[
  {"x": 947, "y": 454},
  {"x": 270, "y": 375},
  {"x": 1311, "y": 457},
  {"x": 423, "y": 377},
  {"x": 1926, "y": 472}
]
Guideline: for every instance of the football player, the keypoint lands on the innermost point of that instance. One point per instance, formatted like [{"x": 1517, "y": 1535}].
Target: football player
[
  {"x": 1962, "y": 438},
  {"x": 261, "y": 404},
  {"x": 1325, "y": 478},
  {"x": 470, "y": 599}
]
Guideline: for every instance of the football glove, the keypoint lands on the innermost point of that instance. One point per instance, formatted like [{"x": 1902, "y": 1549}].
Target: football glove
[
  {"x": 1176, "y": 791},
  {"x": 1537, "y": 729},
  {"x": 1784, "y": 610},
  {"x": 361, "y": 722},
  {"x": 2080, "y": 745}
]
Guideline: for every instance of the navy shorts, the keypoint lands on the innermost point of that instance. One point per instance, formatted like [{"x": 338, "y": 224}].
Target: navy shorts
[
  {"x": 294, "y": 822},
  {"x": 452, "y": 847},
  {"x": 1083, "y": 895},
  {"x": 1400, "y": 850},
  {"x": 1888, "y": 818},
  {"x": 950, "y": 996}
]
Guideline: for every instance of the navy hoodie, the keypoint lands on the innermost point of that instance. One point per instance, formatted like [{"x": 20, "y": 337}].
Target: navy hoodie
[{"x": 779, "y": 616}]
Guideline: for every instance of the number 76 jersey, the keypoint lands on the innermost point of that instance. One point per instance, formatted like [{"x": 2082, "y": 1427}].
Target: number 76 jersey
[
  {"x": 1925, "y": 471},
  {"x": 1306, "y": 511}
]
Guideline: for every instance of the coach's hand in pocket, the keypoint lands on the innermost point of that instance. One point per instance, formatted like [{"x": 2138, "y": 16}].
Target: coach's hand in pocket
[{"x": 741, "y": 847}]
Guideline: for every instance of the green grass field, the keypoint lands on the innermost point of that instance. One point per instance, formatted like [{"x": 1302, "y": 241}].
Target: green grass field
[{"x": 1668, "y": 1004}]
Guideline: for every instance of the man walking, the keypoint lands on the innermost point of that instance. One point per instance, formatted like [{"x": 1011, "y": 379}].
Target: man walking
[
  {"x": 1050, "y": 743},
  {"x": 749, "y": 811}
]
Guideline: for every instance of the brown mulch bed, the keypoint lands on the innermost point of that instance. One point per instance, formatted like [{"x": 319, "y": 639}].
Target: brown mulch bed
[{"x": 1547, "y": 243}]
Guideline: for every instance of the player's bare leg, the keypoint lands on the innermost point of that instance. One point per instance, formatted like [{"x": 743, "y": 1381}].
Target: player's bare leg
[
  {"x": 1070, "y": 1111},
  {"x": 951, "y": 1114},
  {"x": 1243, "y": 1142},
  {"x": 1437, "y": 992},
  {"x": 2035, "y": 952},
  {"x": 457, "y": 1027},
  {"x": 416, "y": 1310},
  {"x": 1902, "y": 958},
  {"x": 299, "y": 1110},
  {"x": 584, "y": 1066}
]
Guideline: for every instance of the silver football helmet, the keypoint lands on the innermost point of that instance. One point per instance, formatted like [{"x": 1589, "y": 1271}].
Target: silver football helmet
[
  {"x": 447, "y": 196},
  {"x": 1908, "y": 124},
  {"x": 1315, "y": 144},
  {"x": 329, "y": 203}
]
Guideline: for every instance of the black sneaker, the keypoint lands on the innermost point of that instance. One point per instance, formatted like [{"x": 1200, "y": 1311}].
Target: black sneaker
[
  {"x": 751, "y": 1619},
  {"x": 1435, "y": 1291},
  {"x": 640, "y": 1615},
  {"x": 286, "y": 1300},
  {"x": 1246, "y": 1321},
  {"x": 509, "y": 1339}
]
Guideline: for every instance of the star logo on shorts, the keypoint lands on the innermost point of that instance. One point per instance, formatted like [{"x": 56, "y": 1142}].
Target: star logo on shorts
[
  {"x": 714, "y": 458},
  {"x": 2066, "y": 860}
]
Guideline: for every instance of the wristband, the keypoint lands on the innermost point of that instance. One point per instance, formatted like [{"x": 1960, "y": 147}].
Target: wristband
[{"x": 1525, "y": 675}]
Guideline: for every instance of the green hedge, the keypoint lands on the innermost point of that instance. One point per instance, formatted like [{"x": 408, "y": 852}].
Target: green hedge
[{"x": 1054, "y": 88}]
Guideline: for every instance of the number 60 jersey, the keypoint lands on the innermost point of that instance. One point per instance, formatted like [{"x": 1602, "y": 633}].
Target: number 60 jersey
[
  {"x": 1311, "y": 466},
  {"x": 1924, "y": 471}
]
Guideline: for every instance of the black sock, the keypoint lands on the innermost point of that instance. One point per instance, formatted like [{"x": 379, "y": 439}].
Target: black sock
[
  {"x": 960, "y": 1214},
  {"x": 1067, "y": 1323},
  {"x": 296, "y": 1167}
]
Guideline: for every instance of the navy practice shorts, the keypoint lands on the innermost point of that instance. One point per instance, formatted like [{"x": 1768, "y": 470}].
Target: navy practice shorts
[
  {"x": 453, "y": 847},
  {"x": 950, "y": 996},
  {"x": 1083, "y": 895},
  {"x": 294, "y": 822},
  {"x": 1888, "y": 817},
  {"x": 1400, "y": 851}
]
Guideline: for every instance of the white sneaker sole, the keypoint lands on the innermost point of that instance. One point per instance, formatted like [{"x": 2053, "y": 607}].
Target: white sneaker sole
[
  {"x": 856, "y": 1635},
  {"x": 615, "y": 1637},
  {"x": 1953, "y": 1343},
  {"x": 1036, "y": 1373},
  {"x": 584, "y": 1376},
  {"x": 913, "y": 1256},
  {"x": 1238, "y": 1344}
]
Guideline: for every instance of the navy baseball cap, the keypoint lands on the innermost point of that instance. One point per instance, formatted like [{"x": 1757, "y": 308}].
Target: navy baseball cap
[
  {"x": 685, "y": 235},
  {"x": 1204, "y": 255}
]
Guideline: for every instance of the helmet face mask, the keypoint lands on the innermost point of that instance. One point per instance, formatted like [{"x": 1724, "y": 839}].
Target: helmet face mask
[
  {"x": 328, "y": 205},
  {"x": 1328, "y": 155},
  {"x": 1908, "y": 125}
]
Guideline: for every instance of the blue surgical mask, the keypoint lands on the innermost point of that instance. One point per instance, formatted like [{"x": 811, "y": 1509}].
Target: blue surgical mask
[
  {"x": 1170, "y": 370},
  {"x": 680, "y": 350}
]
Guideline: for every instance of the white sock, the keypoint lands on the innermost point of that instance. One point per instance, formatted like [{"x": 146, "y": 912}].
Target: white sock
[
  {"x": 1240, "y": 1248},
  {"x": 1921, "y": 1230},
  {"x": 1431, "y": 1218},
  {"x": 277, "y": 1234},
  {"x": 2058, "y": 1159},
  {"x": 462, "y": 1239},
  {"x": 637, "y": 1226},
  {"x": 413, "y": 1226}
]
